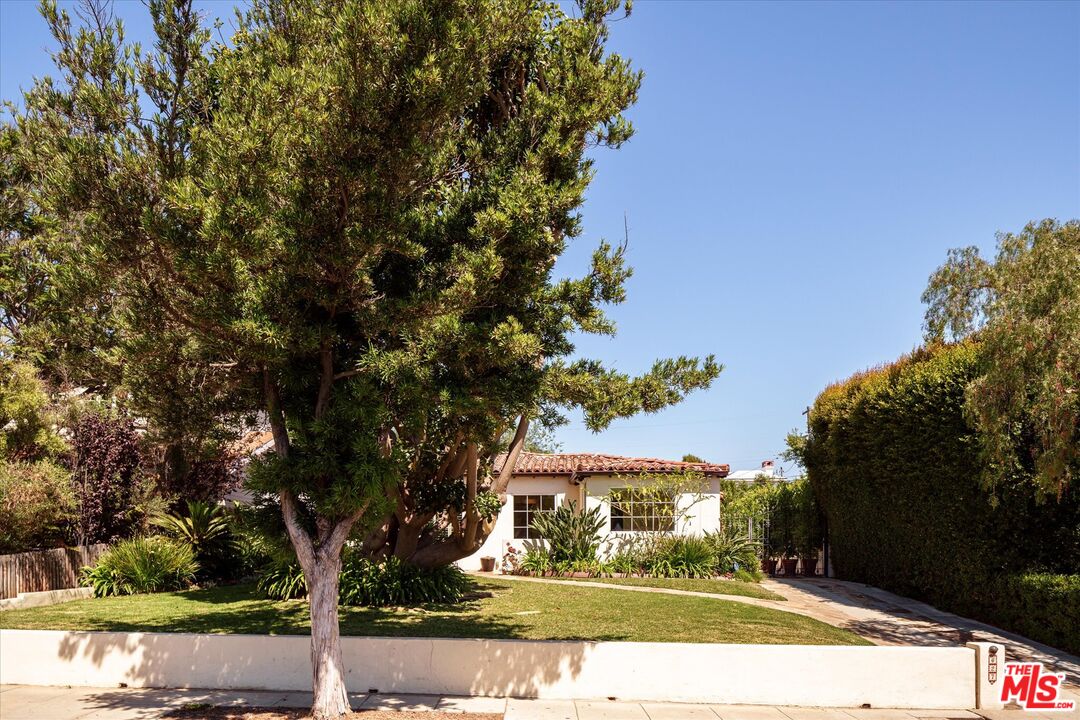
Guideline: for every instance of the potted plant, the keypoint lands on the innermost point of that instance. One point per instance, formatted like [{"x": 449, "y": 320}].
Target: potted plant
[
  {"x": 807, "y": 530},
  {"x": 769, "y": 551},
  {"x": 790, "y": 560},
  {"x": 487, "y": 563}
]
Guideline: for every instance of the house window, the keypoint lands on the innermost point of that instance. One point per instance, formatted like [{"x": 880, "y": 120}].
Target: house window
[
  {"x": 633, "y": 510},
  {"x": 527, "y": 507}
]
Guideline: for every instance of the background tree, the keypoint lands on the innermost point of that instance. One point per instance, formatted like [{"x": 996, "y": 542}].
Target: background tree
[
  {"x": 689, "y": 457},
  {"x": 1025, "y": 309},
  {"x": 343, "y": 223}
]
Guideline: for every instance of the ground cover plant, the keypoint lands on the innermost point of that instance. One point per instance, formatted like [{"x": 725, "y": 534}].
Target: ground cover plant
[{"x": 499, "y": 609}]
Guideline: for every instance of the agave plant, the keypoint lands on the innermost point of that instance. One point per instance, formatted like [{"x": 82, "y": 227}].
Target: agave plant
[
  {"x": 204, "y": 525},
  {"x": 572, "y": 536}
]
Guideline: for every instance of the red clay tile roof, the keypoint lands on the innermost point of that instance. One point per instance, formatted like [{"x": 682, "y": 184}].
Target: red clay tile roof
[
  {"x": 251, "y": 443},
  {"x": 571, "y": 463}
]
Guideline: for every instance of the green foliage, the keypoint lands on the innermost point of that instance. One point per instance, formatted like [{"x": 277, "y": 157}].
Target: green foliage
[
  {"x": 1025, "y": 305},
  {"x": 1042, "y": 606},
  {"x": 283, "y": 581},
  {"x": 733, "y": 552},
  {"x": 536, "y": 561},
  {"x": 392, "y": 582},
  {"x": 488, "y": 505},
  {"x": 26, "y": 418},
  {"x": 571, "y": 536},
  {"x": 691, "y": 458},
  {"x": 784, "y": 514},
  {"x": 37, "y": 505},
  {"x": 895, "y": 464},
  {"x": 389, "y": 582},
  {"x": 343, "y": 217},
  {"x": 205, "y": 527},
  {"x": 142, "y": 565},
  {"x": 682, "y": 556},
  {"x": 259, "y": 538}
]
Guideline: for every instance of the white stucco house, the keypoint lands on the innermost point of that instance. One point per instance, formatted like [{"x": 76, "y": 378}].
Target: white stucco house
[
  {"x": 767, "y": 471},
  {"x": 542, "y": 482}
]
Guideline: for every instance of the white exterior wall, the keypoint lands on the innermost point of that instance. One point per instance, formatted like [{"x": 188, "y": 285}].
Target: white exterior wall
[
  {"x": 503, "y": 534},
  {"x": 700, "y": 517},
  {"x": 808, "y": 675}
]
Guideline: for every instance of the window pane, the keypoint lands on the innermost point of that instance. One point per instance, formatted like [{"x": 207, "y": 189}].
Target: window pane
[
  {"x": 547, "y": 502},
  {"x": 521, "y": 533},
  {"x": 519, "y": 502}
]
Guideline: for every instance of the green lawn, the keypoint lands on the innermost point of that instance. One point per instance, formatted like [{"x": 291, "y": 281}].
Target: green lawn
[
  {"x": 513, "y": 610},
  {"x": 717, "y": 587}
]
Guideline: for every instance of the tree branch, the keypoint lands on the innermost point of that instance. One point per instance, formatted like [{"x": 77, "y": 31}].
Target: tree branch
[
  {"x": 512, "y": 454},
  {"x": 326, "y": 380}
]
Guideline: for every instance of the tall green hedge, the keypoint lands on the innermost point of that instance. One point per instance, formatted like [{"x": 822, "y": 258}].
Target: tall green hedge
[{"x": 896, "y": 469}]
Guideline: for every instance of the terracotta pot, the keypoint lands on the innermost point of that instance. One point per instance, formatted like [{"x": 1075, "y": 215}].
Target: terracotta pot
[
  {"x": 789, "y": 566},
  {"x": 809, "y": 566},
  {"x": 487, "y": 564},
  {"x": 769, "y": 566}
]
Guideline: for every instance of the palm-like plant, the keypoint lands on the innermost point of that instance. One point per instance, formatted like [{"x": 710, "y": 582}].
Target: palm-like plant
[
  {"x": 202, "y": 526},
  {"x": 733, "y": 550},
  {"x": 572, "y": 536}
]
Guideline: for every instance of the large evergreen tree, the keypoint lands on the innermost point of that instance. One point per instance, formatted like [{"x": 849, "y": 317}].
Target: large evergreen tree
[{"x": 343, "y": 223}]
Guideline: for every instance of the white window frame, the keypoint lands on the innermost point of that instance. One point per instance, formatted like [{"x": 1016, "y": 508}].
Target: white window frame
[{"x": 528, "y": 532}]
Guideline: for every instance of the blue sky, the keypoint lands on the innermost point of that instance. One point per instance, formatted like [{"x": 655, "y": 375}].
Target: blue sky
[{"x": 798, "y": 171}]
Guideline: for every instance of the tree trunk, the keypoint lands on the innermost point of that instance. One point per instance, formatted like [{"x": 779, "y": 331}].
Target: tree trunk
[{"x": 330, "y": 699}]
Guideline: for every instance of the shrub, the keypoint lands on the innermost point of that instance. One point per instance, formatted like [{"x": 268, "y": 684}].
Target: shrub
[
  {"x": 683, "y": 556},
  {"x": 571, "y": 535},
  {"x": 259, "y": 537},
  {"x": 1043, "y": 606},
  {"x": 142, "y": 565},
  {"x": 203, "y": 525},
  {"x": 205, "y": 528},
  {"x": 733, "y": 551},
  {"x": 896, "y": 466},
  {"x": 27, "y": 420},
  {"x": 282, "y": 581},
  {"x": 536, "y": 561},
  {"x": 393, "y": 582},
  {"x": 37, "y": 506},
  {"x": 204, "y": 479},
  {"x": 106, "y": 477},
  {"x": 373, "y": 584}
]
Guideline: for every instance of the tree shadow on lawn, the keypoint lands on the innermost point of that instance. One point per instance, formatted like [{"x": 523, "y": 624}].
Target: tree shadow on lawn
[{"x": 239, "y": 609}]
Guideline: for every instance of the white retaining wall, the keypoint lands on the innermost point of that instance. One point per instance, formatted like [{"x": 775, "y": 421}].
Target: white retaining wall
[{"x": 808, "y": 675}]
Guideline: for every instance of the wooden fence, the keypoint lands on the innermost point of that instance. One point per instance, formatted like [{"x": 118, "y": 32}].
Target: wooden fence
[{"x": 45, "y": 569}]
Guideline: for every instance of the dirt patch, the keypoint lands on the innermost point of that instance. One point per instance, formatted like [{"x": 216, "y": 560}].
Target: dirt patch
[{"x": 254, "y": 713}]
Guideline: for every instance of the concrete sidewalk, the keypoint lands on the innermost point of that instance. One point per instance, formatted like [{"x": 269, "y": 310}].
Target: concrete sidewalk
[{"x": 20, "y": 702}]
